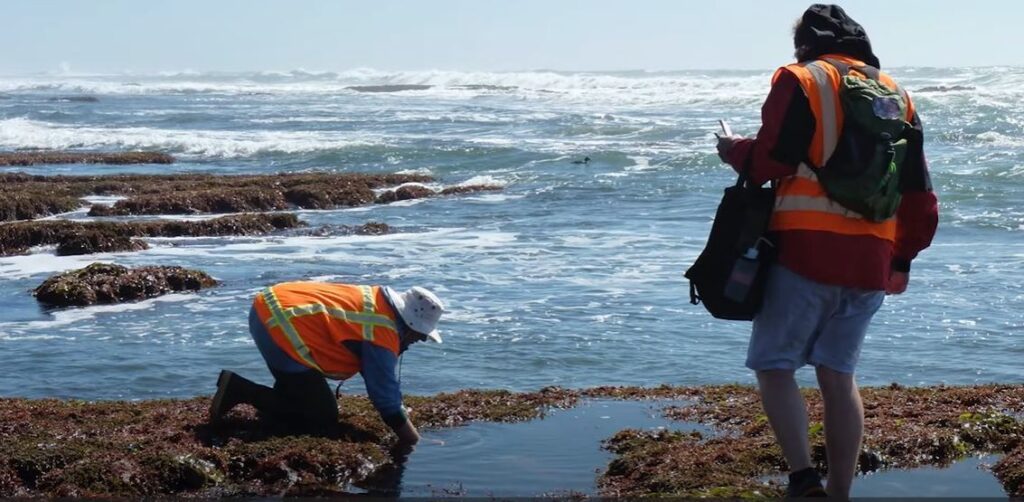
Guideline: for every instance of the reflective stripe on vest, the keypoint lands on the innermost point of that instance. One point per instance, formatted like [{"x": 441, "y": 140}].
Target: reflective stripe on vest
[
  {"x": 281, "y": 319},
  {"x": 830, "y": 119},
  {"x": 368, "y": 319}
]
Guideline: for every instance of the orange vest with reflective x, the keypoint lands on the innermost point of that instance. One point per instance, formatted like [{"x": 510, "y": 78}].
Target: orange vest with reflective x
[
  {"x": 311, "y": 321},
  {"x": 800, "y": 201}
]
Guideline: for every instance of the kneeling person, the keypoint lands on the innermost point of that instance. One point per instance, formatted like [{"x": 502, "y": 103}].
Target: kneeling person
[{"x": 310, "y": 331}]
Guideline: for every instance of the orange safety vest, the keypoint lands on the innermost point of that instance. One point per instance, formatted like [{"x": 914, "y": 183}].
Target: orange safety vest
[
  {"x": 800, "y": 200},
  {"x": 310, "y": 321}
]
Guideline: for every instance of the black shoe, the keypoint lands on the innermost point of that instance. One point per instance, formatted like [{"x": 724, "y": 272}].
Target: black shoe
[
  {"x": 227, "y": 395},
  {"x": 805, "y": 483}
]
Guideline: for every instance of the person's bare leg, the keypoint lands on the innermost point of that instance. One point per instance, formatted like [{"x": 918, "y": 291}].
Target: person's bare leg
[
  {"x": 787, "y": 414},
  {"x": 844, "y": 428}
]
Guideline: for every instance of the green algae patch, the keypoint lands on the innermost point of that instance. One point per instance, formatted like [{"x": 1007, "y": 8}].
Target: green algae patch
[
  {"x": 58, "y": 448},
  {"x": 904, "y": 428}
]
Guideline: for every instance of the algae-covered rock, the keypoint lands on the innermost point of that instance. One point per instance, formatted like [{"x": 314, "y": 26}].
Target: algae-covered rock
[
  {"x": 29, "y": 205},
  {"x": 199, "y": 201},
  {"x": 74, "y": 237},
  {"x": 327, "y": 197},
  {"x": 102, "y": 283},
  {"x": 92, "y": 241},
  {"x": 373, "y": 228},
  {"x": 904, "y": 427},
  {"x": 70, "y": 157},
  {"x": 464, "y": 189},
  {"x": 55, "y": 448},
  {"x": 29, "y": 196},
  {"x": 408, "y": 192},
  {"x": 1010, "y": 471}
]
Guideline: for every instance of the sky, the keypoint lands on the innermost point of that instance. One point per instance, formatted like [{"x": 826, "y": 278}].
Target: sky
[{"x": 144, "y": 36}]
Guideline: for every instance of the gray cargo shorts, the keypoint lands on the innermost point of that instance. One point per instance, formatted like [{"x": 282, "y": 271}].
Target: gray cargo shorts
[{"x": 806, "y": 322}]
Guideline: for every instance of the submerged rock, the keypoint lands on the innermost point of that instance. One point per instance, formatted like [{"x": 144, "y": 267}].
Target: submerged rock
[
  {"x": 408, "y": 192},
  {"x": 74, "y": 237},
  {"x": 102, "y": 283},
  {"x": 68, "y": 157},
  {"x": 75, "y": 99}
]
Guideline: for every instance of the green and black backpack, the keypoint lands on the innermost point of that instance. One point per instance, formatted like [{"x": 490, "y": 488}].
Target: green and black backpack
[{"x": 863, "y": 174}]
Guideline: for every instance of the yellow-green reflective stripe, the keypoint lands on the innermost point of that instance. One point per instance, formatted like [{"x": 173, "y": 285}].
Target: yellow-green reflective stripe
[
  {"x": 368, "y": 308},
  {"x": 372, "y": 319},
  {"x": 282, "y": 320}
]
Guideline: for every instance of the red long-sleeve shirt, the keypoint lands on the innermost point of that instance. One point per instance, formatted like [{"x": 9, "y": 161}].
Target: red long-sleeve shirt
[{"x": 859, "y": 261}]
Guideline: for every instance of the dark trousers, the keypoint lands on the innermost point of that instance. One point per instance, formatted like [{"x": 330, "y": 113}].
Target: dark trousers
[{"x": 302, "y": 402}]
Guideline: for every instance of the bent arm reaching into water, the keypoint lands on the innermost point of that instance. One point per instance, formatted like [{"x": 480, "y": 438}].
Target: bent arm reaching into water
[{"x": 384, "y": 390}]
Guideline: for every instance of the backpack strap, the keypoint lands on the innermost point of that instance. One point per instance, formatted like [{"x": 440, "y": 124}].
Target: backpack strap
[{"x": 844, "y": 69}]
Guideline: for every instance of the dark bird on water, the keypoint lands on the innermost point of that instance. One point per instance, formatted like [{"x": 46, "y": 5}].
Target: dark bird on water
[{"x": 586, "y": 160}]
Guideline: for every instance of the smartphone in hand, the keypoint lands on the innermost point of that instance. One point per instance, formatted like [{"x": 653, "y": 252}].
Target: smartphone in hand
[{"x": 726, "y": 130}]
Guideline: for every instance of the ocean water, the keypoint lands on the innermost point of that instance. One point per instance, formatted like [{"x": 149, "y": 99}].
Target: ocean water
[{"x": 571, "y": 276}]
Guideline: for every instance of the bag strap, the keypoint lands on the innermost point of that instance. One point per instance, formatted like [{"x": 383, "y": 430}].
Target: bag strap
[
  {"x": 844, "y": 69},
  {"x": 754, "y": 221},
  {"x": 745, "y": 170}
]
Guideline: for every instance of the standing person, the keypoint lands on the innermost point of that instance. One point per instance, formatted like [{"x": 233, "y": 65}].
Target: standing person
[
  {"x": 835, "y": 265},
  {"x": 310, "y": 331}
]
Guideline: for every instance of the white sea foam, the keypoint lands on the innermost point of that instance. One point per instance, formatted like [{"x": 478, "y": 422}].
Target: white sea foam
[
  {"x": 484, "y": 179},
  {"x": 18, "y": 133},
  {"x": 14, "y": 330},
  {"x": 106, "y": 200}
]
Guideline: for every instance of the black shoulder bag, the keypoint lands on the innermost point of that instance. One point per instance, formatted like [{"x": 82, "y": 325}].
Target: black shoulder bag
[{"x": 729, "y": 275}]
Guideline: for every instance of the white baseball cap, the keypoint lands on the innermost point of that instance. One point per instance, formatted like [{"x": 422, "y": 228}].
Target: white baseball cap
[{"x": 420, "y": 309}]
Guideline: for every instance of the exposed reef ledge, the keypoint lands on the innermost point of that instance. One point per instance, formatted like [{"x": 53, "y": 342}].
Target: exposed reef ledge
[
  {"x": 65, "y": 157},
  {"x": 57, "y": 448},
  {"x": 76, "y": 238},
  {"x": 102, "y": 283},
  {"x": 904, "y": 427},
  {"x": 116, "y": 449}
]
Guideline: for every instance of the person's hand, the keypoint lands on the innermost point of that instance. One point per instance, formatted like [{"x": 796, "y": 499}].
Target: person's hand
[
  {"x": 897, "y": 283},
  {"x": 725, "y": 143}
]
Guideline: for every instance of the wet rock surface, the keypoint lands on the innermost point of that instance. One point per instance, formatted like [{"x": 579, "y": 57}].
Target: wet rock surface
[
  {"x": 904, "y": 427},
  {"x": 369, "y": 228},
  {"x": 74, "y": 237},
  {"x": 408, "y": 192},
  {"x": 196, "y": 202},
  {"x": 57, "y": 448},
  {"x": 69, "y": 448},
  {"x": 29, "y": 205},
  {"x": 65, "y": 157},
  {"x": 1010, "y": 471},
  {"x": 102, "y": 283},
  {"x": 27, "y": 196}
]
